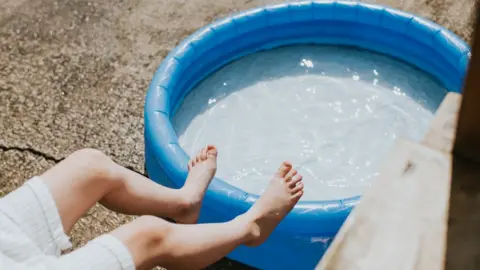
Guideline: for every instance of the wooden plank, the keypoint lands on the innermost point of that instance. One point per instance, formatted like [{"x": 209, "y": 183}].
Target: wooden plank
[
  {"x": 441, "y": 133},
  {"x": 400, "y": 222}
]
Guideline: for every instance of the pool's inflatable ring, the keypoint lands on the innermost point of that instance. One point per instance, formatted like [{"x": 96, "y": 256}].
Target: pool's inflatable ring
[{"x": 301, "y": 239}]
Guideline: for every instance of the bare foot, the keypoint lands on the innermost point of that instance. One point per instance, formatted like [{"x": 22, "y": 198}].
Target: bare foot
[
  {"x": 201, "y": 170},
  {"x": 283, "y": 192}
]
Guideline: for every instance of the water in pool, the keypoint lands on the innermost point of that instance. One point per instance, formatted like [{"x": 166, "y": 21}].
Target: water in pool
[{"x": 334, "y": 112}]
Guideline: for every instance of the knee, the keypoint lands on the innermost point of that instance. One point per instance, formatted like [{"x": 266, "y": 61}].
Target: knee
[
  {"x": 152, "y": 223},
  {"x": 153, "y": 229},
  {"x": 147, "y": 240},
  {"x": 92, "y": 158},
  {"x": 94, "y": 162},
  {"x": 91, "y": 153}
]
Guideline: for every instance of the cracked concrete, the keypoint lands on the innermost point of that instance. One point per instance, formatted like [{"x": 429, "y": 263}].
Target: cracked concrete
[
  {"x": 30, "y": 151},
  {"x": 74, "y": 74}
]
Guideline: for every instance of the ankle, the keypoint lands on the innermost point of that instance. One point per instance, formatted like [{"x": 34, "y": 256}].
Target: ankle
[
  {"x": 248, "y": 228},
  {"x": 189, "y": 198},
  {"x": 187, "y": 207}
]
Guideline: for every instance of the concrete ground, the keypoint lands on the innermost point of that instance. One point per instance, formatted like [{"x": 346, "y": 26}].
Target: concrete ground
[{"x": 74, "y": 73}]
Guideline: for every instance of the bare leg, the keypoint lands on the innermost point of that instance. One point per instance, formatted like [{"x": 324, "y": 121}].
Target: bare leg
[
  {"x": 88, "y": 176},
  {"x": 153, "y": 241}
]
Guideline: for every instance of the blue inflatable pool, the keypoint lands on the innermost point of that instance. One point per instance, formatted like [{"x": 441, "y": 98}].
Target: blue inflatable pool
[{"x": 302, "y": 238}]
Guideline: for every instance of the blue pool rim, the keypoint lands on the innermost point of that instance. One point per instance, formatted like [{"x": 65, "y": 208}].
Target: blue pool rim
[{"x": 311, "y": 225}]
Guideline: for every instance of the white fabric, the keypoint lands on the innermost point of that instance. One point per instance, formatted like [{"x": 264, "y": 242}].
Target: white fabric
[{"x": 32, "y": 236}]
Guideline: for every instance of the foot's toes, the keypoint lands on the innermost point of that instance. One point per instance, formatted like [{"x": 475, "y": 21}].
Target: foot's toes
[
  {"x": 295, "y": 180},
  {"x": 297, "y": 196},
  {"x": 190, "y": 164},
  {"x": 203, "y": 154},
  {"x": 290, "y": 175},
  {"x": 211, "y": 152},
  {"x": 297, "y": 188},
  {"x": 284, "y": 169}
]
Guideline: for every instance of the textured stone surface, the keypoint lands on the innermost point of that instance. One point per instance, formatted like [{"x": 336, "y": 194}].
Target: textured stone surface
[{"x": 74, "y": 74}]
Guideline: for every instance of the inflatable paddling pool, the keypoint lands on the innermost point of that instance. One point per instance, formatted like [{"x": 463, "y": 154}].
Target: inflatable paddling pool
[{"x": 302, "y": 238}]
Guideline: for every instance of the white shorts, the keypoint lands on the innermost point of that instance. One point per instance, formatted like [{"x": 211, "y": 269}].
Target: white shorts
[{"x": 32, "y": 236}]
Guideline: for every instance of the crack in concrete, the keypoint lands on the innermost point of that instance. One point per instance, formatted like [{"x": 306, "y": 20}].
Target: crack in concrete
[
  {"x": 49, "y": 157},
  {"x": 31, "y": 151}
]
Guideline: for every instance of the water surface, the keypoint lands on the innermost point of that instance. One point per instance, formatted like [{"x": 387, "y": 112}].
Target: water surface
[{"x": 332, "y": 111}]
